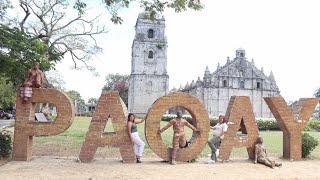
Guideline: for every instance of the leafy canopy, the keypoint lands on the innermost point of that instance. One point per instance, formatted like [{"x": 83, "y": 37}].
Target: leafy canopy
[
  {"x": 17, "y": 53},
  {"x": 7, "y": 93},
  {"x": 118, "y": 82},
  {"x": 151, "y": 6}
]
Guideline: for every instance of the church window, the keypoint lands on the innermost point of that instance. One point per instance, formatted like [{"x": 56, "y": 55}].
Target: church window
[
  {"x": 224, "y": 83},
  {"x": 150, "y": 55},
  {"x": 150, "y": 33},
  {"x": 241, "y": 84},
  {"x": 258, "y": 85}
]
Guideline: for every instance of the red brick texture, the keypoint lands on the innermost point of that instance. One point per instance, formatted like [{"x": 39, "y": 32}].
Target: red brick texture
[
  {"x": 110, "y": 105},
  {"x": 239, "y": 108},
  {"x": 26, "y": 127},
  {"x": 200, "y": 121},
  {"x": 292, "y": 122}
]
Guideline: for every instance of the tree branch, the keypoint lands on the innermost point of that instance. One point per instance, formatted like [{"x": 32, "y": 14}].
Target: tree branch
[
  {"x": 40, "y": 17},
  {"x": 25, "y": 8},
  {"x": 79, "y": 18},
  {"x": 78, "y": 34},
  {"x": 50, "y": 8}
]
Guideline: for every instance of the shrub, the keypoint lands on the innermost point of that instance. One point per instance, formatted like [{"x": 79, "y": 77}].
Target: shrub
[
  {"x": 169, "y": 117},
  {"x": 267, "y": 124},
  {"x": 5, "y": 144},
  {"x": 308, "y": 144},
  {"x": 263, "y": 124},
  {"x": 313, "y": 125},
  {"x": 307, "y": 128}
]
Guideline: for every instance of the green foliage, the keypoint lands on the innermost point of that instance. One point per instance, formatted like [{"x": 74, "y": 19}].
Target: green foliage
[
  {"x": 80, "y": 6},
  {"x": 264, "y": 124},
  {"x": 44, "y": 33},
  {"x": 152, "y": 7},
  {"x": 313, "y": 125},
  {"x": 140, "y": 36},
  {"x": 93, "y": 100},
  {"x": 5, "y": 144},
  {"x": 5, "y": 4},
  {"x": 309, "y": 143},
  {"x": 76, "y": 98},
  {"x": 167, "y": 118},
  {"x": 118, "y": 82},
  {"x": 7, "y": 93},
  {"x": 85, "y": 114},
  {"x": 18, "y": 52}
]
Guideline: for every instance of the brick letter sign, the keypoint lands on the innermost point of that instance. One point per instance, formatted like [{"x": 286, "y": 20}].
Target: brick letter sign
[
  {"x": 292, "y": 123},
  {"x": 110, "y": 105},
  {"x": 239, "y": 108},
  {"x": 26, "y": 127},
  {"x": 199, "y": 115}
]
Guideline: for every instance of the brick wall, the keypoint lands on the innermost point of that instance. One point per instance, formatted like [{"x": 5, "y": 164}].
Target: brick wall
[{"x": 26, "y": 127}]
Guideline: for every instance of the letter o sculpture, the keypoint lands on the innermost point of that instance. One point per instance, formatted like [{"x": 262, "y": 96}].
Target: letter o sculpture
[{"x": 200, "y": 120}]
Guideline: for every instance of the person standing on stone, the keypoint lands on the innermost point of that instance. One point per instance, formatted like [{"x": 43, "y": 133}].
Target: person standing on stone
[
  {"x": 179, "y": 137},
  {"x": 220, "y": 128},
  {"x": 134, "y": 136},
  {"x": 261, "y": 155}
]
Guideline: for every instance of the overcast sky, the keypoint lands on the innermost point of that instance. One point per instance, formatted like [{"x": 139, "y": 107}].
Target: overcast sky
[{"x": 280, "y": 35}]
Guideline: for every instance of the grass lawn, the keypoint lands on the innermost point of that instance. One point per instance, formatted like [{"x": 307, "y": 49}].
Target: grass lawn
[{"x": 69, "y": 142}]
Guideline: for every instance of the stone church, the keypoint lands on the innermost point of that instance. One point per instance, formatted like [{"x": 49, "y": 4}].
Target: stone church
[
  {"x": 149, "y": 79},
  {"x": 238, "y": 77}
]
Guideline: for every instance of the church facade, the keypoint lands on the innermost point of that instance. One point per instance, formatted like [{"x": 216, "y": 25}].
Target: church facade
[
  {"x": 148, "y": 79},
  {"x": 238, "y": 77}
]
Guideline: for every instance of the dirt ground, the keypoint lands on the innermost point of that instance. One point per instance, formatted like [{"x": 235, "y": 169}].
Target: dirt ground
[
  {"x": 51, "y": 163},
  {"x": 49, "y": 167}
]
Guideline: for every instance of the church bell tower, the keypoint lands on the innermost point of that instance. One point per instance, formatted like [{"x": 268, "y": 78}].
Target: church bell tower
[{"x": 148, "y": 79}]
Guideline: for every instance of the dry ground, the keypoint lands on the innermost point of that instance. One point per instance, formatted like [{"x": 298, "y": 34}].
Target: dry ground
[{"x": 49, "y": 167}]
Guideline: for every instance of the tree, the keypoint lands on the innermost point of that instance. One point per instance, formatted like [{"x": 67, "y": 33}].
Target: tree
[
  {"x": 7, "y": 93},
  {"x": 152, "y": 7},
  {"x": 73, "y": 34},
  {"x": 5, "y": 4},
  {"x": 55, "y": 79},
  {"x": 46, "y": 34},
  {"x": 76, "y": 99},
  {"x": 17, "y": 54},
  {"x": 119, "y": 83},
  {"x": 93, "y": 100}
]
